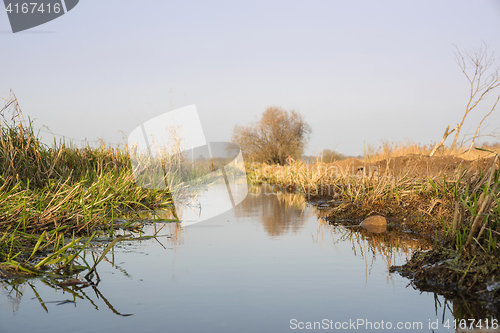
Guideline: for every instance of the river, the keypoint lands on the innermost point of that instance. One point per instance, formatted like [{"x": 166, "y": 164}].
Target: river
[{"x": 268, "y": 265}]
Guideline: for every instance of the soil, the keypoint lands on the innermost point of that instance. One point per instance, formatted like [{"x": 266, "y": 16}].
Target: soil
[
  {"x": 469, "y": 278},
  {"x": 414, "y": 165}
]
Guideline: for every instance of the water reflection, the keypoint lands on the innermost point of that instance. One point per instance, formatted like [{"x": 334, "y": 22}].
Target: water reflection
[
  {"x": 272, "y": 252},
  {"x": 158, "y": 222},
  {"x": 14, "y": 289},
  {"x": 395, "y": 246},
  {"x": 279, "y": 213},
  {"x": 137, "y": 226}
]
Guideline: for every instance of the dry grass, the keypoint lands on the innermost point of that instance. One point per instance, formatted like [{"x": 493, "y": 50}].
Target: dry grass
[
  {"x": 404, "y": 148},
  {"x": 426, "y": 204}
]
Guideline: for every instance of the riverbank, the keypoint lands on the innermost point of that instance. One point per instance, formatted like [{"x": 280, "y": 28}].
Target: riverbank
[
  {"x": 453, "y": 200},
  {"x": 55, "y": 200}
]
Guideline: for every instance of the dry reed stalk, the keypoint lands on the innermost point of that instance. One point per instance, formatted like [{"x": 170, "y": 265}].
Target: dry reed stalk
[{"x": 486, "y": 199}]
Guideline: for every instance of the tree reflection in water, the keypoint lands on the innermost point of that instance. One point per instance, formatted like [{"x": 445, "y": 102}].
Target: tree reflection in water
[{"x": 280, "y": 213}]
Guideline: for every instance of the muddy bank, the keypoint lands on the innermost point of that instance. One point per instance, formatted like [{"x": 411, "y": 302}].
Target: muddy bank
[
  {"x": 419, "y": 217},
  {"x": 470, "y": 277}
]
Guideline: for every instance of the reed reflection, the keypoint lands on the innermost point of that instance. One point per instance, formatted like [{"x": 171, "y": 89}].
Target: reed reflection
[
  {"x": 66, "y": 292},
  {"x": 392, "y": 245},
  {"x": 139, "y": 226}
]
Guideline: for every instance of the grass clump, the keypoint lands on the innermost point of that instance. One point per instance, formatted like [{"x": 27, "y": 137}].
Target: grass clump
[{"x": 53, "y": 200}]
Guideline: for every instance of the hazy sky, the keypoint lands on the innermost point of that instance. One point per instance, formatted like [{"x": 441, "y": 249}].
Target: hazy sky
[{"x": 357, "y": 70}]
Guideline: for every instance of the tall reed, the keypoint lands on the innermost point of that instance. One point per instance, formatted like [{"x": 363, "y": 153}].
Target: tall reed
[{"x": 48, "y": 194}]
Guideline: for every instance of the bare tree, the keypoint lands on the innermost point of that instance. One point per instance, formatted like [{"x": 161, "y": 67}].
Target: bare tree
[
  {"x": 275, "y": 136},
  {"x": 479, "y": 127},
  {"x": 483, "y": 75}
]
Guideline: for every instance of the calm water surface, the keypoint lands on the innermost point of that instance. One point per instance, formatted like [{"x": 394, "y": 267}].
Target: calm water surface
[{"x": 265, "y": 266}]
